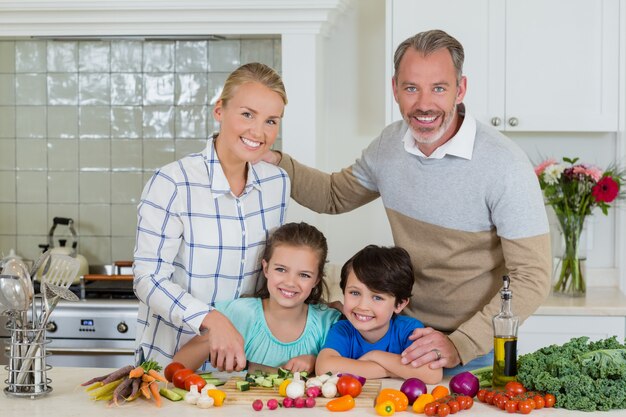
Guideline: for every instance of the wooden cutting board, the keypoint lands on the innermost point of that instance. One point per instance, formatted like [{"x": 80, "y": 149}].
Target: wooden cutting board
[{"x": 234, "y": 396}]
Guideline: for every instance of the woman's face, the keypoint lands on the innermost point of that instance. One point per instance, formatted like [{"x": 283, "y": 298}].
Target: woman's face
[{"x": 249, "y": 123}]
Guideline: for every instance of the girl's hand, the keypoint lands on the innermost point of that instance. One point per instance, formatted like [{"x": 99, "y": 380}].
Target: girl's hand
[
  {"x": 225, "y": 343},
  {"x": 301, "y": 363}
]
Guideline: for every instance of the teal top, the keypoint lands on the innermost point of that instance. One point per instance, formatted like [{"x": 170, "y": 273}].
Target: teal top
[{"x": 261, "y": 346}]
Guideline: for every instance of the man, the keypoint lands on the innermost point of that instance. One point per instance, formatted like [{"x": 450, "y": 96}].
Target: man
[{"x": 460, "y": 197}]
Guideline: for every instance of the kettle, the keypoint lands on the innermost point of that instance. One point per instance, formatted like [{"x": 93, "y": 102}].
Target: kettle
[{"x": 62, "y": 249}]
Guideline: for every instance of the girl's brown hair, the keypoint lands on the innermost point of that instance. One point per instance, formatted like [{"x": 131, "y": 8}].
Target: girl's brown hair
[{"x": 299, "y": 235}]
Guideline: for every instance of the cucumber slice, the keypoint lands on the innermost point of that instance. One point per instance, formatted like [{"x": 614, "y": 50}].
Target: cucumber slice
[
  {"x": 215, "y": 381},
  {"x": 278, "y": 381},
  {"x": 243, "y": 385},
  {"x": 170, "y": 395},
  {"x": 267, "y": 383},
  {"x": 179, "y": 391},
  {"x": 283, "y": 373}
]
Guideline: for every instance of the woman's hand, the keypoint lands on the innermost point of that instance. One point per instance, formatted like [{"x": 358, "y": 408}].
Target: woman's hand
[
  {"x": 430, "y": 346},
  {"x": 225, "y": 343},
  {"x": 301, "y": 363}
]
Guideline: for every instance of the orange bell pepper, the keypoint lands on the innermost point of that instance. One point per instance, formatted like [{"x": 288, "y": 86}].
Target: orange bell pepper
[
  {"x": 344, "y": 403},
  {"x": 218, "y": 396},
  {"x": 400, "y": 400}
]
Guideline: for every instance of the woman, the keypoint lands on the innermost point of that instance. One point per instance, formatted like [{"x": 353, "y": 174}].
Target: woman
[{"x": 203, "y": 221}]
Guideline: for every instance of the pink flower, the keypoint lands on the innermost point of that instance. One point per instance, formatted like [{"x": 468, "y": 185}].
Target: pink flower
[
  {"x": 606, "y": 190},
  {"x": 587, "y": 170},
  {"x": 542, "y": 166}
]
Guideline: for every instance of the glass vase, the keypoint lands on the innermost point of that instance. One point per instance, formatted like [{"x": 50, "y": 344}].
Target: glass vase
[{"x": 569, "y": 272}]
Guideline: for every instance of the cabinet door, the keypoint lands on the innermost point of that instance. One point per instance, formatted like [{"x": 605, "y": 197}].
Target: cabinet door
[
  {"x": 474, "y": 24},
  {"x": 540, "y": 331},
  {"x": 562, "y": 65}
]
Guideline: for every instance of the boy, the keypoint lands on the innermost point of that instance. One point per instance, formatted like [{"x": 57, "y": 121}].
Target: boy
[{"x": 377, "y": 284}]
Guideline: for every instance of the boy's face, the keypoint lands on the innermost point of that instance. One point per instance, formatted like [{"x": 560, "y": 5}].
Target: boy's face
[{"x": 369, "y": 312}]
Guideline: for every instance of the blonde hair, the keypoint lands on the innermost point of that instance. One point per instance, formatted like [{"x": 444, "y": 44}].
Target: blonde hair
[{"x": 253, "y": 72}]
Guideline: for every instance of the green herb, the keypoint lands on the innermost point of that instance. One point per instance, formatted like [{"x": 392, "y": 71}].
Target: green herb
[
  {"x": 582, "y": 375},
  {"x": 148, "y": 365}
]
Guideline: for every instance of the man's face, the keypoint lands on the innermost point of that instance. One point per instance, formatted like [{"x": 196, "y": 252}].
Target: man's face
[{"x": 427, "y": 94}]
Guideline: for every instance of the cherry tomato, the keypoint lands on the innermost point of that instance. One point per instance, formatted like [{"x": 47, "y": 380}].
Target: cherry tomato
[
  {"x": 349, "y": 385},
  {"x": 171, "y": 369},
  {"x": 539, "y": 402},
  {"x": 549, "y": 400},
  {"x": 454, "y": 406},
  {"x": 511, "y": 406},
  {"x": 499, "y": 400},
  {"x": 489, "y": 397},
  {"x": 431, "y": 409},
  {"x": 462, "y": 400},
  {"x": 179, "y": 377},
  {"x": 194, "y": 379},
  {"x": 525, "y": 406},
  {"x": 481, "y": 395},
  {"x": 470, "y": 402},
  {"x": 443, "y": 410},
  {"x": 515, "y": 388}
]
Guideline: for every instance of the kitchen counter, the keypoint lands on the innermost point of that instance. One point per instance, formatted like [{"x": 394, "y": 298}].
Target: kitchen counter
[
  {"x": 599, "y": 301},
  {"x": 68, "y": 399}
]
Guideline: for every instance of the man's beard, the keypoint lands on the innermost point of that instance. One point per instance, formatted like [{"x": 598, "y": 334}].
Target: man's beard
[{"x": 427, "y": 140}]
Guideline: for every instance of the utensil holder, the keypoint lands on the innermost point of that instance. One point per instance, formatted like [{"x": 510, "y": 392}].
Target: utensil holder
[{"x": 32, "y": 382}]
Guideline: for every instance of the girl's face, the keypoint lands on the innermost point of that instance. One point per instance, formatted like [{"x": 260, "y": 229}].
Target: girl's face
[
  {"x": 249, "y": 123},
  {"x": 291, "y": 275},
  {"x": 369, "y": 312}
]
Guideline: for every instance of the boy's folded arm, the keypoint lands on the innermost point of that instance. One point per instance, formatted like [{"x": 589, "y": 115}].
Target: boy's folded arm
[
  {"x": 392, "y": 363},
  {"x": 329, "y": 360}
]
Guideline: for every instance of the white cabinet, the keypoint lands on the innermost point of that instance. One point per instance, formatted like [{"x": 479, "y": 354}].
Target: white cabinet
[
  {"x": 540, "y": 331},
  {"x": 531, "y": 65}
]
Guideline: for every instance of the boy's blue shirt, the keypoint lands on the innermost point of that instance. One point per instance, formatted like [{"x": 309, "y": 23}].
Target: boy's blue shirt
[{"x": 349, "y": 343}]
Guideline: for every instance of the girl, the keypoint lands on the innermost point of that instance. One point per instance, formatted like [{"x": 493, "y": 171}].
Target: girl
[
  {"x": 203, "y": 221},
  {"x": 286, "y": 323}
]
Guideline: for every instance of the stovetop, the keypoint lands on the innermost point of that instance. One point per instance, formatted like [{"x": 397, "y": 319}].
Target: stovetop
[{"x": 95, "y": 290}]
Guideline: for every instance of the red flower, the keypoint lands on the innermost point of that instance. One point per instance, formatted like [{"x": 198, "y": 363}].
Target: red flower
[{"x": 605, "y": 190}]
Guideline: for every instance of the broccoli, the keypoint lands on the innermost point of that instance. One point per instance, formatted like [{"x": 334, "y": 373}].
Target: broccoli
[{"x": 582, "y": 375}]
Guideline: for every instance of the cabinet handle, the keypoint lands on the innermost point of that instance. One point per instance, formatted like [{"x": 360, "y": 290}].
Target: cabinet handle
[
  {"x": 496, "y": 121},
  {"x": 513, "y": 121}
]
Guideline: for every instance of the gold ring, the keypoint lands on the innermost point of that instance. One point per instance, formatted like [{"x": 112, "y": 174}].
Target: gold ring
[{"x": 437, "y": 352}]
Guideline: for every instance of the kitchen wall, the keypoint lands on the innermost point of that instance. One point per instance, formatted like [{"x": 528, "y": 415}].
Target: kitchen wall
[{"x": 83, "y": 124}]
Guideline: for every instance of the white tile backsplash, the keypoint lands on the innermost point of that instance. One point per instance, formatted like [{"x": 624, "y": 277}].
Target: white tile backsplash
[{"x": 83, "y": 125}]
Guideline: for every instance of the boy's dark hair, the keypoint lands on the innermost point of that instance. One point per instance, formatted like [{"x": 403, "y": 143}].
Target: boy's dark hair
[
  {"x": 385, "y": 270},
  {"x": 299, "y": 235}
]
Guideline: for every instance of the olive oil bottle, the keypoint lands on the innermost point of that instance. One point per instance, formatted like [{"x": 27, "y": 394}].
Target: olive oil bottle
[{"x": 505, "y": 325}]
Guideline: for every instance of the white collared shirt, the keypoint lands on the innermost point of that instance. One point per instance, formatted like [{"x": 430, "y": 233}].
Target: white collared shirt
[{"x": 460, "y": 145}]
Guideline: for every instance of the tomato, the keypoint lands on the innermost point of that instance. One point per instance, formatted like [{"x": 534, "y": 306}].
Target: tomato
[
  {"x": 539, "y": 402},
  {"x": 511, "y": 406},
  {"x": 515, "y": 388},
  {"x": 440, "y": 391},
  {"x": 443, "y": 410},
  {"x": 489, "y": 397},
  {"x": 481, "y": 395},
  {"x": 171, "y": 369},
  {"x": 499, "y": 400},
  {"x": 430, "y": 409},
  {"x": 194, "y": 379},
  {"x": 470, "y": 402},
  {"x": 454, "y": 406},
  {"x": 349, "y": 385},
  {"x": 549, "y": 400},
  {"x": 178, "y": 379},
  {"x": 525, "y": 407},
  {"x": 462, "y": 400}
]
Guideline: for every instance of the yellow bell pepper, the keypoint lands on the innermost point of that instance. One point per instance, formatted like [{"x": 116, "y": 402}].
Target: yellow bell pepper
[
  {"x": 386, "y": 408},
  {"x": 218, "y": 396},
  {"x": 282, "y": 388}
]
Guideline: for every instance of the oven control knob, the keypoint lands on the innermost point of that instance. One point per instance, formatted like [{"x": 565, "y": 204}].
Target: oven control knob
[
  {"x": 51, "y": 327},
  {"x": 122, "y": 327}
]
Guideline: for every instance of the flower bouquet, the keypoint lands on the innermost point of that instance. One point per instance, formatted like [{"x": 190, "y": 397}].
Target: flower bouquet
[{"x": 573, "y": 190}]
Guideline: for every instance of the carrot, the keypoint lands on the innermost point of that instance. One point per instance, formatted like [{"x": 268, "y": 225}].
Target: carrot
[
  {"x": 120, "y": 373},
  {"x": 145, "y": 390},
  {"x": 94, "y": 380},
  {"x": 122, "y": 390},
  {"x": 135, "y": 390},
  {"x": 147, "y": 378},
  {"x": 157, "y": 376},
  {"x": 154, "y": 387},
  {"x": 136, "y": 372}
]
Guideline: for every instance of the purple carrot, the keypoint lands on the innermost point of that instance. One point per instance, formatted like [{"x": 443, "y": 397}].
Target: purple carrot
[{"x": 114, "y": 376}]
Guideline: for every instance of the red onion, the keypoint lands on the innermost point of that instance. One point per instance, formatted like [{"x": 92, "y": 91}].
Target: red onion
[
  {"x": 464, "y": 383},
  {"x": 413, "y": 388}
]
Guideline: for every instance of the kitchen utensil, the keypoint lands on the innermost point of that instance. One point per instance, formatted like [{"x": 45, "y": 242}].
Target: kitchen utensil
[
  {"x": 16, "y": 293},
  {"x": 63, "y": 249}
]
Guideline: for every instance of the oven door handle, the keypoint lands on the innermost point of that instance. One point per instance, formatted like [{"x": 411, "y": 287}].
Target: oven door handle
[{"x": 90, "y": 351}]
